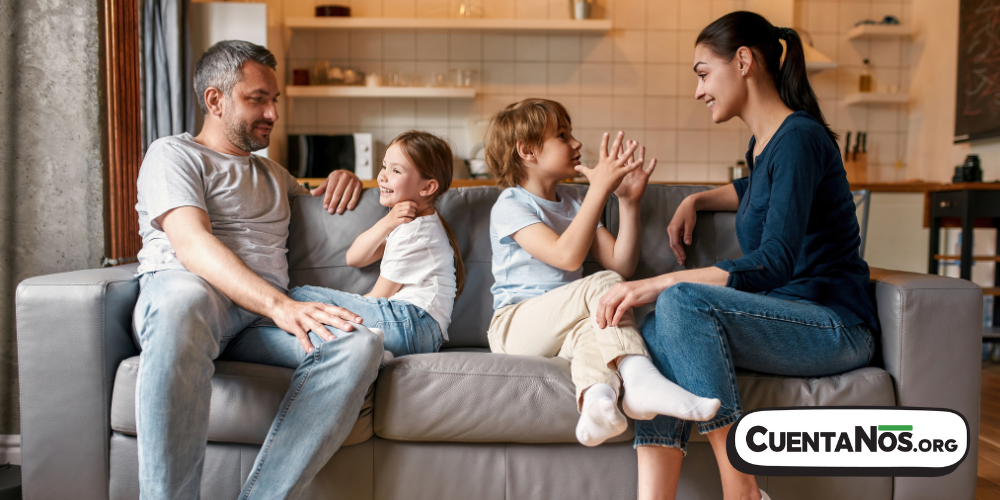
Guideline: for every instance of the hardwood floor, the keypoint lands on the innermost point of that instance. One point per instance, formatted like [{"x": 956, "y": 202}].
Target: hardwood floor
[{"x": 988, "y": 482}]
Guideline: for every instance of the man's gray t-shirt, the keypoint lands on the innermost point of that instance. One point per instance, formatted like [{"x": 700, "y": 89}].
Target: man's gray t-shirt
[{"x": 246, "y": 198}]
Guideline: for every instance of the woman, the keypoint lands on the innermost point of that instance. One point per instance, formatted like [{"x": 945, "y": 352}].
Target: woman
[{"x": 797, "y": 302}]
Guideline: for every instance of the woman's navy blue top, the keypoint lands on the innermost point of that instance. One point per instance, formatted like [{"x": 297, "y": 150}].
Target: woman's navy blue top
[{"x": 797, "y": 227}]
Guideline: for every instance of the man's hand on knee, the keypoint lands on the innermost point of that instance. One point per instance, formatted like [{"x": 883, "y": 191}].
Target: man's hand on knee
[{"x": 300, "y": 318}]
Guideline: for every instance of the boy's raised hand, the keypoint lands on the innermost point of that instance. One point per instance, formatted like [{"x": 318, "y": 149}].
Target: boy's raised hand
[
  {"x": 401, "y": 213},
  {"x": 634, "y": 184},
  {"x": 611, "y": 168}
]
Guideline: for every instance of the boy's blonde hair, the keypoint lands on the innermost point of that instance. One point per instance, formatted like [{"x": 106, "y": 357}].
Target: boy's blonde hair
[{"x": 524, "y": 121}]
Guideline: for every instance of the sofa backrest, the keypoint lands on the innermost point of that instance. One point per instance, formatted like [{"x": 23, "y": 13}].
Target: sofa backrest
[{"x": 318, "y": 243}]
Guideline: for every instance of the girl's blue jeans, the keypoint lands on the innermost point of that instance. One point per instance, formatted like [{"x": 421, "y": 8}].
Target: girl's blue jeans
[
  {"x": 699, "y": 334},
  {"x": 408, "y": 328}
]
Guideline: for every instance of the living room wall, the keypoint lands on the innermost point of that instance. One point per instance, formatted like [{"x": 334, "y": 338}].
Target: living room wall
[
  {"x": 637, "y": 77},
  {"x": 51, "y": 201}
]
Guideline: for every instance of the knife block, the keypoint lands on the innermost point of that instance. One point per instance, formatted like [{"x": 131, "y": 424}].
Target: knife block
[{"x": 856, "y": 166}]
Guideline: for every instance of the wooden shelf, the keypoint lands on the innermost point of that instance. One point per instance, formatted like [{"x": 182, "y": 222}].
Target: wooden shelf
[
  {"x": 980, "y": 258},
  {"x": 388, "y": 23},
  {"x": 879, "y": 31},
  {"x": 819, "y": 66},
  {"x": 877, "y": 98},
  {"x": 379, "y": 92},
  {"x": 994, "y": 291}
]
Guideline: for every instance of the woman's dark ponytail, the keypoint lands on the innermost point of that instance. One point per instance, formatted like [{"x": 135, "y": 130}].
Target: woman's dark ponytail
[{"x": 746, "y": 29}]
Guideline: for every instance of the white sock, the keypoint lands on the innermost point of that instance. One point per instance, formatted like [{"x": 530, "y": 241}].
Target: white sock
[
  {"x": 600, "y": 419},
  {"x": 648, "y": 394},
  {"x": 386, "y": 355}
]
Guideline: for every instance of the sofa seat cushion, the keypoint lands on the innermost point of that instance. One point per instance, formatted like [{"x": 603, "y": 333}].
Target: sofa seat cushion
[
  {"x": 245, "y": 399},
  {"x": 482, "y": 397},
  {"x": 477, "y": 397}
]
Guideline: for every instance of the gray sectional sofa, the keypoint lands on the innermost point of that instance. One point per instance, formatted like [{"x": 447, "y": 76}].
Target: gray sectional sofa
[{"x": 462, "y": 423}]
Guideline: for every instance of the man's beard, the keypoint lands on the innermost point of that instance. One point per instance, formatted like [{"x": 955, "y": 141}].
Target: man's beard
[{"x": 240, "y": 133}]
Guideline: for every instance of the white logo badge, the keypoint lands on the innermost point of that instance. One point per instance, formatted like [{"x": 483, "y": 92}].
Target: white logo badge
[{"x": 849, "y": 441}]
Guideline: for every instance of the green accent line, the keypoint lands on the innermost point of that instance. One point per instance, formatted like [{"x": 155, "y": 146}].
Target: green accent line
[{"x": 895, "y": 427}]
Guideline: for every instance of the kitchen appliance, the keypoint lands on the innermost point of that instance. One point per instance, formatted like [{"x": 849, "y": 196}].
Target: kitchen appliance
[
  {"x": 970, "y": 171},
  {"x": 476, "y": 162},
  {"x": 475, "y": 131},
  {"x": 315, "y": 156},
  {"x": 739, "y": 171}
]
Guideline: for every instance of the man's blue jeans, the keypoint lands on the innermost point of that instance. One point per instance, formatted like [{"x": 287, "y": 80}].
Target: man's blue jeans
[
  {"x": 699, "y": 334},
  {"x": 182, "y": 324}
]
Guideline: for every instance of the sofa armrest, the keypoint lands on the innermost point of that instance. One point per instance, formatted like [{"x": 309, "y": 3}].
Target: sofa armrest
[
  {"x": 73, "y": 330},
  {"x": 931, "y": 346}
]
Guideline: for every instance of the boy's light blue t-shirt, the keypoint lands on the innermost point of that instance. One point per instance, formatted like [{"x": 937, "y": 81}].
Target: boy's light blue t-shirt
[{"x": 518, "y": 275}]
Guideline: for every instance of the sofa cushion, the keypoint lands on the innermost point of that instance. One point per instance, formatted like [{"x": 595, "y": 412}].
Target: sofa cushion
[
  {"x": 245, "y": 399},
  {"x": 482, "y": 397}
]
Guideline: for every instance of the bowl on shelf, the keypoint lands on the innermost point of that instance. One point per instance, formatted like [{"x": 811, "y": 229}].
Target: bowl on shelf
[{"x": 333, "y": 11}]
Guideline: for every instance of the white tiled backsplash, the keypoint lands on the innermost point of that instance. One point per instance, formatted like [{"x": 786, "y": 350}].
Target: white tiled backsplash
[{"x": 637, "y": 77}]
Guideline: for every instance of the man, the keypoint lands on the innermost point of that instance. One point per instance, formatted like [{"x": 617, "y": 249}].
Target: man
[{"x": 214, "y": 223}]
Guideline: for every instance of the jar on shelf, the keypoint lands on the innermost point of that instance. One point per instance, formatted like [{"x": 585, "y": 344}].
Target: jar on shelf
[{"x": 865, "y": 80}]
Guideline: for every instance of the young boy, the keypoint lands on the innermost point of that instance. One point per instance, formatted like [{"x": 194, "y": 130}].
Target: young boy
[{"x": 541, "y": 232}]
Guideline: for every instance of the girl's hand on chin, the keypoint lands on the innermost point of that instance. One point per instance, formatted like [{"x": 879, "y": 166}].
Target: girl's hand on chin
[{"x": 401, "y": 213}]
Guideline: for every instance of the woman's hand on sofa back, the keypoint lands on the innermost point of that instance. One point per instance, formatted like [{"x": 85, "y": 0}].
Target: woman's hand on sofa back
[{"x": 681, "y": 228}]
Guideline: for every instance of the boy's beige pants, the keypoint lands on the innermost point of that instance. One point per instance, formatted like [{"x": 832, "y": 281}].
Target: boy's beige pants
[{"x": 561, "y": 323}]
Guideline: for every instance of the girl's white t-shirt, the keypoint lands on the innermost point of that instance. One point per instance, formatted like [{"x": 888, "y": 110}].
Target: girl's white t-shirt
[{"x": 418, "y": 256}]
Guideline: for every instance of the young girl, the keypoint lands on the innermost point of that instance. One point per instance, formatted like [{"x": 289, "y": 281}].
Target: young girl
[
  {"x": 421, "y": 270},
  {"x": 541, "y": 232}
]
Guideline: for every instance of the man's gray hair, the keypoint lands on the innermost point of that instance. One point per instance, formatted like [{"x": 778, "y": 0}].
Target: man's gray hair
[{"x": 221, "y": 66}]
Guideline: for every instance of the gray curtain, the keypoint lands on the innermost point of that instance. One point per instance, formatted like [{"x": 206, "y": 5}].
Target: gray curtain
[{"x": 168, "y": 89}]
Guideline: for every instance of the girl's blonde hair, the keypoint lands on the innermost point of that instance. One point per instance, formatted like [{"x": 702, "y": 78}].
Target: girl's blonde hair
[
  {"x": 432, "y": 157},
  {"x": 524, "y": 121}
]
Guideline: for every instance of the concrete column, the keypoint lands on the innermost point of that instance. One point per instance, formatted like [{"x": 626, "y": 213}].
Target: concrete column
[{"x": 51, "y": 187}]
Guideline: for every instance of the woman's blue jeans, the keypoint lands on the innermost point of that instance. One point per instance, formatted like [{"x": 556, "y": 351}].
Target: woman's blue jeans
[{"x": 699, "y": 334}]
